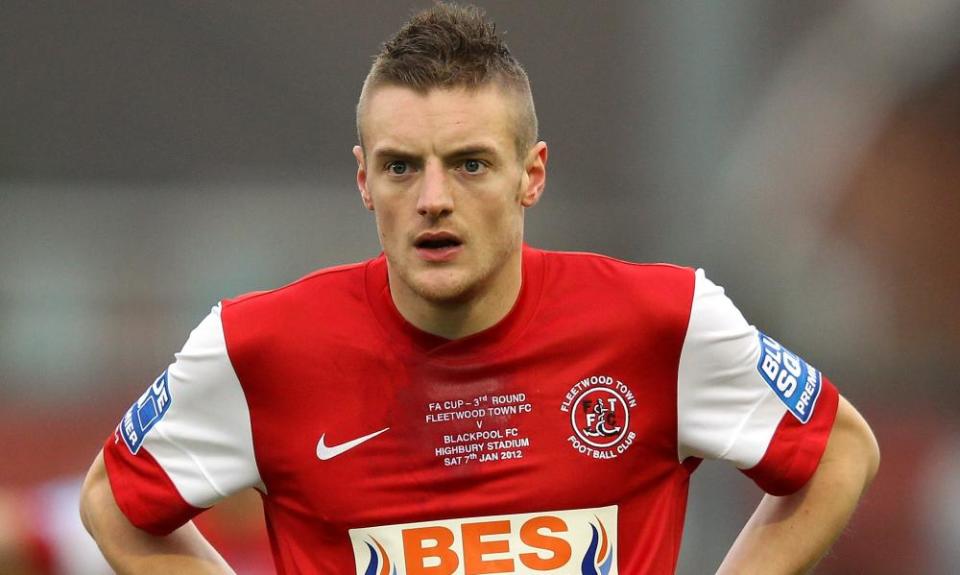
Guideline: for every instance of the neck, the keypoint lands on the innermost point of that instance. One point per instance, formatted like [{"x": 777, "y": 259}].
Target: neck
[{"x": 464, "y": 316}]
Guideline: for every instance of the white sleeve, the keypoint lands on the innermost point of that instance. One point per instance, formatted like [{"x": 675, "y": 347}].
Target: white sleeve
[
  {"x": 725, "y": 409},
  {"x": 195, "y": 423}
]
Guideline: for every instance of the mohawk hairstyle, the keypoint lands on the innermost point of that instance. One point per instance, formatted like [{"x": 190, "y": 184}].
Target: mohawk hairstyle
[{"x": 450, "y": 46}]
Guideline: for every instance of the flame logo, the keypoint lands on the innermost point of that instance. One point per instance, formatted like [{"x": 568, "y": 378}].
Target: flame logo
[
  {"x": 379, "y": 561},
  {"x": 599, "y": 556}
]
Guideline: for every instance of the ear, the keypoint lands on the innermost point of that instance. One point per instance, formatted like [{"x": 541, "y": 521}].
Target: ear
[
  {"x": 535, "y": 175},
  {"x": 362, "y": 178}
]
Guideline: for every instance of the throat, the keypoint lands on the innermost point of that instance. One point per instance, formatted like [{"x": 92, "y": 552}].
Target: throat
[{"x": 464, "y": 314}]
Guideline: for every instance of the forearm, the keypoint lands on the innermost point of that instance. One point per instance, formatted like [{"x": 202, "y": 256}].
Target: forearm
[
  {"x": 790, "y": 534},
  {"x": 132, "y": 550}
]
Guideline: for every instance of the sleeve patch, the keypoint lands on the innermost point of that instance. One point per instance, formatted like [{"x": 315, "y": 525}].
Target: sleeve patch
[
  {"x": 796, "y": 382},
  {"x": 145, "y": 413}
]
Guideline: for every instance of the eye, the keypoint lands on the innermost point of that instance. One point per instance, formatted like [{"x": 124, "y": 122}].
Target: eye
[
  {"x": 397, "y": 168},
  {"x": 473, "y": 166}
]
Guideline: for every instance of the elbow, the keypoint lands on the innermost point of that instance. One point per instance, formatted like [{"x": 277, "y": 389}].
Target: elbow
[
  {"x": 86, "y": 512},
  {"x": 95, "y": 487},
  {"x": 853, "y": 447},
  {"x": 863, "y": 445},
  {"x": 872, "y": 455}
]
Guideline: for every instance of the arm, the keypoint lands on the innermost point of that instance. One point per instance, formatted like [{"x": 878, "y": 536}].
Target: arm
[
  {"x": 132, "y": 550},
  {"x": 790, "y": 534}
]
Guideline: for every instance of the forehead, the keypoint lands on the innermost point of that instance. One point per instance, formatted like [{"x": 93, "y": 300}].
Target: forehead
[{"x": 439, "y": 119}]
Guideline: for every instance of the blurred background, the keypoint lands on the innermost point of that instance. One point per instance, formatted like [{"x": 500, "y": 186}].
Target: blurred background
[{"x": 156, "y": 157}]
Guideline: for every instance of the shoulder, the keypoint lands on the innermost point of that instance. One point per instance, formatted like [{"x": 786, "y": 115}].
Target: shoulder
[
  {"x": 330, "y": 280},
  {"x": 326, "y": 293},
  {"x": 656, "y": 296},
  {"x": 607, "y": 267},
  {"x": 602, "y": 274},
  {"x": 325, "y": 299}
]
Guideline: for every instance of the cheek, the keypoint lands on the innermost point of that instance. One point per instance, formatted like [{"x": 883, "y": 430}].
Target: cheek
[
  {"x": 386, "y": 224},
  {"x": 503, "y": 225}
]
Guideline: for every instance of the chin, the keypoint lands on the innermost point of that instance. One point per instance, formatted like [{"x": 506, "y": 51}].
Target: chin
[{"x": 446, "y": 289}]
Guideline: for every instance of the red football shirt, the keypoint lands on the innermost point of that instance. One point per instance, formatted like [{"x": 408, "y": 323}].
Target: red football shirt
[{"x": 560, "y": 440}]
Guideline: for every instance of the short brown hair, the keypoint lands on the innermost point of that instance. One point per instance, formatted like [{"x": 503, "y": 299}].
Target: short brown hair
[{"x": 450, "y": 46}]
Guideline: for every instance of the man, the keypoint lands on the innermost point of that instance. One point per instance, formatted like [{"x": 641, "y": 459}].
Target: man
[{"x": 464, "y": 403}]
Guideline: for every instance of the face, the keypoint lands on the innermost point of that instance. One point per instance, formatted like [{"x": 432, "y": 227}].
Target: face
[{"x": 442, "y": 174}]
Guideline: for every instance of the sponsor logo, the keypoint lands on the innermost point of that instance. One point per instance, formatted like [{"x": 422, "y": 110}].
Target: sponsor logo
[
  {"x": 325, "y": 452},
  {"x": 379, "y": 561},
  {"x": 145, "y": 413},
  {"x": 579, "y": 541},
  {"x": 599, "y": 408},
  {"x": 796, "y": 382}
]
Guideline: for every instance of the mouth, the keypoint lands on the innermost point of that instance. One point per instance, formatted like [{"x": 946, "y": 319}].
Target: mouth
[{"x": 438, "y": 246}]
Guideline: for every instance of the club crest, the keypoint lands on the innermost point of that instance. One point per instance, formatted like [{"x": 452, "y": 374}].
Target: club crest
[{"x": 599, "y": 408}]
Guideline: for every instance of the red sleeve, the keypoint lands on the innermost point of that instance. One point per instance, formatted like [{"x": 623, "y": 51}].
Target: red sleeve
[
  {"x": 143, "y": 490},
  {"x": 795, "y": 449}
]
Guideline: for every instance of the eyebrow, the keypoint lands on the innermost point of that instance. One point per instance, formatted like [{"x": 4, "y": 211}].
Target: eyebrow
[
  {"x": 466, "y": 151},
  {"x": 473, "y": 150},
  {"x": 393, "y": 153}
]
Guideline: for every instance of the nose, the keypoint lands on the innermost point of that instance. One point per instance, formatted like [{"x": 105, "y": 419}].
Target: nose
[{"x": 435, "y": 197}]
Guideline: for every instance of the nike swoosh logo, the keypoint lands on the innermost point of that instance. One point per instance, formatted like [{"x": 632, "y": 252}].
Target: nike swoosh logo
[{"x": 325, "y": 452}]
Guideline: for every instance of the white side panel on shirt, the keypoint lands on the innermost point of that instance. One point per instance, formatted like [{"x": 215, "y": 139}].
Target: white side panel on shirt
[
  {"x": 204, "y": 440},
  {"x": 725, "y": 410}
]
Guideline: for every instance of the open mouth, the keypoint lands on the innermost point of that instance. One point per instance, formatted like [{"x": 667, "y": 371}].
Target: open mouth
[
  {"x": 437, "y": 243},
  {"x": 439, "y": 246}
]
